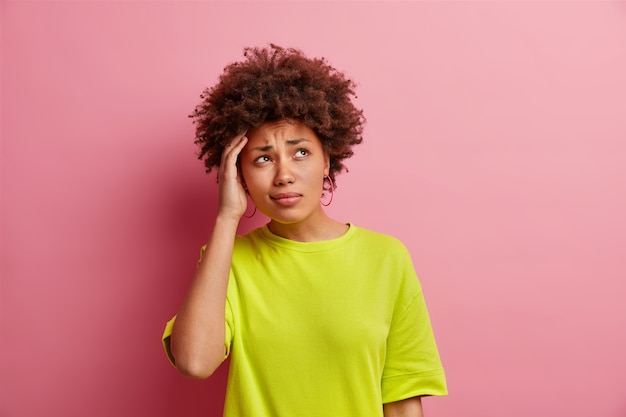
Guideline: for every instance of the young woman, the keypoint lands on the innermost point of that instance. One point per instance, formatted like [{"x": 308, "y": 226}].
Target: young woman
[{"x": 320, "y": 318}]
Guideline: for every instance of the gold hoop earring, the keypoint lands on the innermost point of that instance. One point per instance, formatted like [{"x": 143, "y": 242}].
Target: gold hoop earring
[
  {"x": 250, "y": 216},
  {"x": 249, "y": 201},
  {"x": 332, "y": 191}
]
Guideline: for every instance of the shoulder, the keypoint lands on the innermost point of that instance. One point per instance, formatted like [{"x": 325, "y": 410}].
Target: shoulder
[
  {"x": 248, "y": 241},
  {"x": 379, "y": 247},
  {"x": 380, "y": 241},
  {"x": 389, "y": 258}
]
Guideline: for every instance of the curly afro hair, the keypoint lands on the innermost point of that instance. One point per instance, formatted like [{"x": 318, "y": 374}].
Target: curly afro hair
[{"x": 276, "y": 83}]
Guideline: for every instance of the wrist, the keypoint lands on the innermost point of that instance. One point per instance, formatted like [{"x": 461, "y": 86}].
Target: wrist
[{"x": 227, "y": 218}]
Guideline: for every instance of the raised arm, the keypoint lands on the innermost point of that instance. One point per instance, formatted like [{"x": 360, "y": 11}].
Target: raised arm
[{"x": 197, "y": 340}]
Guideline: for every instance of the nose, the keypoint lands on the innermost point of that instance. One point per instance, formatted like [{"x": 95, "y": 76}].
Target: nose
[{"x": 284, "y": 174}]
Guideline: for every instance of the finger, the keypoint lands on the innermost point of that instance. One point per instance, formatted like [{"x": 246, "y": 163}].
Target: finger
[
  {"x": 234, "y": 146},
  {"x": 228, "y": 167},
  {"x": 232, "y": 154},
  {"x": 237, "y": 139}
]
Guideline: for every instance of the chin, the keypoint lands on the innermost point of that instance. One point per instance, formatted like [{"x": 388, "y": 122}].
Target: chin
[{"x": 287, "y": 218}]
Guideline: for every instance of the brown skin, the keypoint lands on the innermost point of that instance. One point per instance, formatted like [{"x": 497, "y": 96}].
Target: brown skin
[
  {"x": 275, "y": 83},
  {"x": 284, "y": 166},
  {"x": 411, "y": 407},
  {"x": 197, "y": 340}
]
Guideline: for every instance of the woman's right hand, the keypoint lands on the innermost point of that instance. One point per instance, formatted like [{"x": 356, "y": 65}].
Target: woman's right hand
[{"x": 232, "y": 195}]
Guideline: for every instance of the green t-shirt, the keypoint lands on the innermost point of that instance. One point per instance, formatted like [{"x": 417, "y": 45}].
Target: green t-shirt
[{"x": 333, "y": 328}]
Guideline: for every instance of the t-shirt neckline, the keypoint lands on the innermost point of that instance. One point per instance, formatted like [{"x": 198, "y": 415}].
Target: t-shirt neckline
[{"x": 318, "y": 246}]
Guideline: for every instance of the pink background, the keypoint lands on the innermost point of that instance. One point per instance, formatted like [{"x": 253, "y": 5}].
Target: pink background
[{"x": 495, "y": 149}]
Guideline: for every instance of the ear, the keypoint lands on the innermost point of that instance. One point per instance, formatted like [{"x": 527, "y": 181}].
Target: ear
[{"x": 326, "y": 164}]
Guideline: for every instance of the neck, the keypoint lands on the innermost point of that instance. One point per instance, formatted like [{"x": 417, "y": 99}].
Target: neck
[{"x": 310, "y": 230}]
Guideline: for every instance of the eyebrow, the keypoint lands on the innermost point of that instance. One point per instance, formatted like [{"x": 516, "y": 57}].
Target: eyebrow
[{"x": 291, "y": 142}]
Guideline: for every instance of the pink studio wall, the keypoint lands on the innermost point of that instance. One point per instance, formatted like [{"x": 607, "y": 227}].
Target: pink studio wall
[{"x": 495, "y": 150}]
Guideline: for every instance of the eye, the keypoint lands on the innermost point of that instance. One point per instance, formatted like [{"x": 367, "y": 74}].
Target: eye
[
  {"x": 302, "y": 152},
  {"x": 262, "y": 159}
]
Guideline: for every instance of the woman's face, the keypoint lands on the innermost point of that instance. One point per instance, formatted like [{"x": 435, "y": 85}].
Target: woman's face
[{"x": 283, "y": 167}]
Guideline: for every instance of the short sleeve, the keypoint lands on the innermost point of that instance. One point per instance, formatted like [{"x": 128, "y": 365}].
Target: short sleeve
[
  {"x": 228, "y": 315},
  {"x": 166, "y": 340},
  {"x": 412, "y": 364}
]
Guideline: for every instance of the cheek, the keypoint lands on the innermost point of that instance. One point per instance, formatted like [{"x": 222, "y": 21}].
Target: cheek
[
  {"x": 246, "y": 175},
  {"x": 317, "y": 171},
  {"x": 253, "y": 181}
]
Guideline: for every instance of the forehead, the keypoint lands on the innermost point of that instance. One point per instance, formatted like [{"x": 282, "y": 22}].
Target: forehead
[{"x": 283, "y": 129}]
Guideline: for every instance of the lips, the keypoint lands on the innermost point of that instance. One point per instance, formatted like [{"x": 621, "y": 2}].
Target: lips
[{"x": 286, "y": 199}]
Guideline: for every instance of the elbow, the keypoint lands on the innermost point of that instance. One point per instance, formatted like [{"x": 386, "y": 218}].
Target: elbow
[
  {"x": 196, "y": 366},
  {"x": 194, "y": 357},
  {"x": 196, "y": 369}
]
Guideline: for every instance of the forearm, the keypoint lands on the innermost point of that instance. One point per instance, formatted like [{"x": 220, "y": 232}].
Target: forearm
[
  {"x": 197, "y": 340},
  {"x": 411, "y": 407}
]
